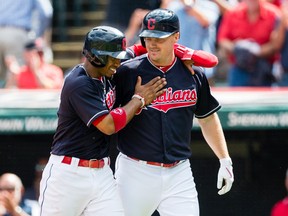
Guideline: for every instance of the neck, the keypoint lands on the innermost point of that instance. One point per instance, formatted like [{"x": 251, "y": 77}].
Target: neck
[{"x": 253, "y": 10}]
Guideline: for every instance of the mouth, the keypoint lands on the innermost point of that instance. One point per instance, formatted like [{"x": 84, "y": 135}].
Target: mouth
[
  {"x": 112, "y": 69},
  {"x": 154, "y": 51}
]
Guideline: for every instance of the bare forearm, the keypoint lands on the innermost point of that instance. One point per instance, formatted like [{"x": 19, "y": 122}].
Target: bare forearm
[
  {"x": 214, "y": 136},
  {"x": 131, "y": 108},
  {"x": 108, "y": 125}
]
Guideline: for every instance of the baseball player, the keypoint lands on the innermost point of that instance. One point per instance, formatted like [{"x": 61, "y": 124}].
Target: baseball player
[
  {"x": 153, "y": 168},
  {"x": 78, "y": 179}
]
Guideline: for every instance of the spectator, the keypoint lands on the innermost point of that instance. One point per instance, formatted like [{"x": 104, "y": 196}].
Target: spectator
[
  {"x": 275, "y": 2},
  {"x": 281, "y": 207},
  {"x": 283, "y": 79},
  {"x": 11, "y": 202},
  {"x": 251, "y": 35},
  {"x": 135, "y": 22},
  {"x": 198, "y": 20},
  {"x": 36, "y": 73},
  {"x": 225, "y": 5},
  {"x": 47, "y": 31},
  {"x": 220, "y": 75},
  {"x": 33, "y": 192},
  {"x": 16, "y": 27},
  {"x": 119, "y": 11}
]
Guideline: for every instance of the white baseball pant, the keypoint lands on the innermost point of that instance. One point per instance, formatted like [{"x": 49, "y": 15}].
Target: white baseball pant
[
  {"x": 144, "y": 188},
  {"x": 70, "y": 190}
]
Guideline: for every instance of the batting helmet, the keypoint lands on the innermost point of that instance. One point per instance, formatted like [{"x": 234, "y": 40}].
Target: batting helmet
[
  {"x": 104, "y": 41},
  {"x": 159, "y": 23}
]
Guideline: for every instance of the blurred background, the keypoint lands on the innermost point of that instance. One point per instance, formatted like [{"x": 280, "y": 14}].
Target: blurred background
[{"x": 255, "y": 119}]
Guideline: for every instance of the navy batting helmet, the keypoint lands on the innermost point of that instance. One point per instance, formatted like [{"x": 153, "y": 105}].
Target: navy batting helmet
[
  {"x": 159, "y": 23},
  {"x": 104, "y": 41}
]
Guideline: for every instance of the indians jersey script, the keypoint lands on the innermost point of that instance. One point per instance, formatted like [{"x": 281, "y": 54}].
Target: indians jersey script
[
  {"x": 161, "y": 131},
  {"x": 83, "y": 99}
]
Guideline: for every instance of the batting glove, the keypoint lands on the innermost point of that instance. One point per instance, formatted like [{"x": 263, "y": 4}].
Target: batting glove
[{"x": 225, "y": 175}]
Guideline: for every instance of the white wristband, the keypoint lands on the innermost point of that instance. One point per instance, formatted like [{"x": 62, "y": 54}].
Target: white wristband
[
  {"x": 18, "y": 210},
  {"x": 140, "y": 98}
]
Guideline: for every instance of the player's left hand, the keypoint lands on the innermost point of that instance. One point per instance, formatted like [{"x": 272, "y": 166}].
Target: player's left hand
[{"x": 225, "y": 175}]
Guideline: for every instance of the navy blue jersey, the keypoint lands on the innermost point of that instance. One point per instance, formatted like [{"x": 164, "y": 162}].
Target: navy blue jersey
[
  {"x": 161, "y": 132},
  {"x": 83, "y": 99}
]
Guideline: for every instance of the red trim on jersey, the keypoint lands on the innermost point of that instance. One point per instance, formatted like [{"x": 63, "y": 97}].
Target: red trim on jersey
[
  {"x": 98, "y": 120},
  {"x": 165, "y": 68}
]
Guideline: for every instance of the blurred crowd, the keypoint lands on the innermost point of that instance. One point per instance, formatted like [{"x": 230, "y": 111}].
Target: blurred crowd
[
  {"x": 25, "y": 46},
  {"x": 15, "y": 199},
  {"x": 250, "y": 38}
]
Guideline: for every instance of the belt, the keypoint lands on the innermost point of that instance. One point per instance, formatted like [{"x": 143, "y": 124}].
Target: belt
[
  {"x": 93, "y": 163},
  {"x": 157, "y": 163}
]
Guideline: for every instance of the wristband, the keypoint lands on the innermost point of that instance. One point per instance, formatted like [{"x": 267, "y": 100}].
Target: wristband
[
  {"x": 140, "y": 98},
  {"x": 18, "y": 210},
  {"x": 119, "y": 117}
]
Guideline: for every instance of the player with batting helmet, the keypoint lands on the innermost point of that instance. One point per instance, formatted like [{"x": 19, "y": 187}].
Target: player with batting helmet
[
  {"x": 78, "y": 179},
  {"x": 153, "y": 168}
]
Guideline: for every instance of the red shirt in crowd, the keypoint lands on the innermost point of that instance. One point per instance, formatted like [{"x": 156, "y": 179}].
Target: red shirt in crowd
[
  {"x": 235, "y": 24},
  {"x": 49, "y": 73}
]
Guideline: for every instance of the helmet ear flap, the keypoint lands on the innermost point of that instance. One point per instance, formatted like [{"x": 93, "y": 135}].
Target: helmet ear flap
[
  {"x": 93, "y": 59},
  {"x": 142, "y": 41}
]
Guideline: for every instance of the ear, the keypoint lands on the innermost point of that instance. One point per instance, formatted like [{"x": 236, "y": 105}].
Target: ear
[{"x": 177, "y": 36}]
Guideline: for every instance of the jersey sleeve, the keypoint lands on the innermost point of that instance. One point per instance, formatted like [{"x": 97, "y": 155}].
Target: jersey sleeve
[
  {"x": 206, "y": 104},
  {"x": 123, "y": 78},
  {"x": 89, "y": 103}
]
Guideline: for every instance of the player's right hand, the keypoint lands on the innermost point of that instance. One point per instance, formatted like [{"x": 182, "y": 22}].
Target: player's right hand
[
  {"x": 150, "y": 90},
  {"x": 225, "y": 175}
]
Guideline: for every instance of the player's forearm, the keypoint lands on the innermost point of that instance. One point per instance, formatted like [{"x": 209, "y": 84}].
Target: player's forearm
[
  {"x": 118, "y": 117},
  {"x": 214, "y": 136},
  {"x": 131, "y": 108}
]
